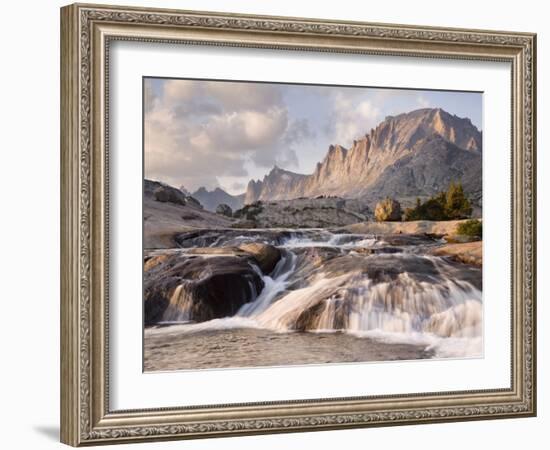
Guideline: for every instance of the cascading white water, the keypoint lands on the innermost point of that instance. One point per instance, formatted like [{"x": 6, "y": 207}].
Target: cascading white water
[
  {"x": 327, "y": 239},
  {"x": 449, "y": 309},
  {"x": 406, "y": 308},
  {"x": 179, "y": 307},
  {"x": 282, "y": 315},
  {"x": 274, "y": 284}
]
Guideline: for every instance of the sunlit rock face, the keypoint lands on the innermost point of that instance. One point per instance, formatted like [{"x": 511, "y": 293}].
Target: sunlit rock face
[{"x": 395, "y": 146}]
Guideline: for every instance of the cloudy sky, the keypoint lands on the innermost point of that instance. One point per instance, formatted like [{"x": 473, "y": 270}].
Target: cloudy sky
[{"x": 217, "y": 133}]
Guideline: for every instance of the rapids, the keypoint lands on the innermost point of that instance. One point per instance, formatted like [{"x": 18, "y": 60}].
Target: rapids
[{"x": 385, "y": 288}]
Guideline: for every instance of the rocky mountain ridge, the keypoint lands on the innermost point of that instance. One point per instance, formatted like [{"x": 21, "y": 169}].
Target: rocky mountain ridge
[
  {"x": 211, "y": 199},
  {"x": 412, "y": 154}
]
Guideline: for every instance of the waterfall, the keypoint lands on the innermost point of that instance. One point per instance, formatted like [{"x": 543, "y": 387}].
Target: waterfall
[
  {"x": 274, "y": 284},
  {"x": 354, "y": 303},
  {"x": 179, "y": 308},
  {"x": 327, "y": 239},
  {"x": 324, "y": 283}
]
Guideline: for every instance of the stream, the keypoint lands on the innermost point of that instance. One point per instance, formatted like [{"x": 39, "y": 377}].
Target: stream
[{"x": 331, "y": 298}]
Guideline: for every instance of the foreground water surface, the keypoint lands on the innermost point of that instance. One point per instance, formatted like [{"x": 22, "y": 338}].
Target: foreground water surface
[{"x": 331, "y": 298}]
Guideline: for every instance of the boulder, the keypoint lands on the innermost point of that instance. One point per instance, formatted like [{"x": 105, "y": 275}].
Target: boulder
[
  {"x": 232, "y": 251},
  {"x": 388, "y": 210},
  {"x": 310, "y": 318},
  {"x": 185, "y": 287},
  {"x": 194, "y": 203},
  {"x": 153, "y": 261},
  {"x": 267, "y": 256},
  {"x": 169, "y": 194},
  {"x": 224, "y": 210}
]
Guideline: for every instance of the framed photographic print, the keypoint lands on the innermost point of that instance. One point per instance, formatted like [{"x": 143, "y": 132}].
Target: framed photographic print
[{"x": 277, "y": 224}]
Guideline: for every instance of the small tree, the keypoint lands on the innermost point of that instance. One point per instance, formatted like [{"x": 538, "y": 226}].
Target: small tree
[
  {"x": 431, "y": 209},
  {"x": 457, "y": 206},
  {"x": 449, "y": 205}
]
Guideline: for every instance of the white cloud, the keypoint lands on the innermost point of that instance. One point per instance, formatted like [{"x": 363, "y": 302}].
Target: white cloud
[
  {"x": 244, "y": 96},
  {"x": 422, "y": 101},
  {"x": 197, "y": 132},
  {"x": 178, "y": 90},
  {"x": 352, "y": 116}
]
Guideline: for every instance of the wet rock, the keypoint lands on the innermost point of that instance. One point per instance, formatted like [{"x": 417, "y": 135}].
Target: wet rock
[
  {"x": 311, "y": 259},
  {"x": 309, "y": 318},
  {"x": 467, "y": 253},
  {"x": 184, "y": 287},
  {"x": 231, "y": 251},
  {"x": 462, "y": 320},
  {"x": 331, "y": 313},
  {"x": 231, "y": 238},
  {"x": 153, "y": 261},
  {"x": 384, "y": 267},
  {"x": 365, "y": 251},
  {"x": 386, "y": 250},
  {"x": 197, "y": 238},
  {"x": 266, "y": 256}
]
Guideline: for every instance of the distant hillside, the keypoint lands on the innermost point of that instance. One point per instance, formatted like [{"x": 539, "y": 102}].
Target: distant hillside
[
  {"x": 211, "y": 199},
  {"x": 167, "y": 211}
]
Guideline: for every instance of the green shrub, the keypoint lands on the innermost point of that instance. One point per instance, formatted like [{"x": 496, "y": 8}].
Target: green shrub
[
  {"x": 249, "y": 212},
  {"x": 431, "y": 209},
  {"x": 457, "y": 206},
  {"x": 472, "y": 228},
  {"x": 450, "y": 205}
]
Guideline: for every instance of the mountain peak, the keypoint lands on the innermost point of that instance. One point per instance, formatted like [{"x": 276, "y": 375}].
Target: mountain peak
[
  {"x": 351, "y": 172},
  {"x": 205, "y": 190},
  {"x": 276, "y": 171},
  {"x": 396, "y": 133},
  {"x": 337, "y": 149},
  {"x": 211, "y": 199}
]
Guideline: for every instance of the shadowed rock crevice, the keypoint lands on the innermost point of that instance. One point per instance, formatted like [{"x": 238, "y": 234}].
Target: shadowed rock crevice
[{"x": 205, "y": 284}]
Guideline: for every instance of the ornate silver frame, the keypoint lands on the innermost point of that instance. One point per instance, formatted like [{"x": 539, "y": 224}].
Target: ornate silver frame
[{"x": 86, "y": 32}]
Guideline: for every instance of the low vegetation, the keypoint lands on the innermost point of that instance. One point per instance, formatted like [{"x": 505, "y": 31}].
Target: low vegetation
[
  {"x": 448, "y": 205},
  {"x": 471, "y": 228},
  {"x": 249, "y": 212}
]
